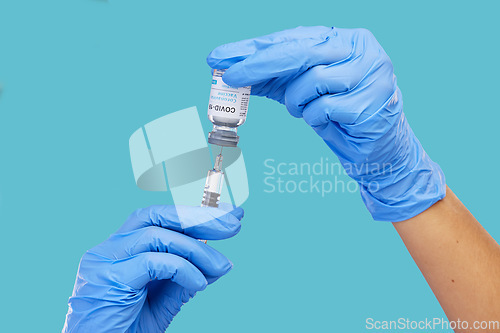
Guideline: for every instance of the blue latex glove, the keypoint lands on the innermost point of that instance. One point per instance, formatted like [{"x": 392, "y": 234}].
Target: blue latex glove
[
  {"x": 341, "y": 82},
  {"x": 138, "y": 279}
]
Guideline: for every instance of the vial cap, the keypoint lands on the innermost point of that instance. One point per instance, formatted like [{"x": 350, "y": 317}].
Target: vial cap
[{"x": 223, "y": 138}]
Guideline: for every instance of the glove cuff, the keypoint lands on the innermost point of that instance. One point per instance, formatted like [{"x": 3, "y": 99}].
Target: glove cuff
[{"x": 414, "y": 189}]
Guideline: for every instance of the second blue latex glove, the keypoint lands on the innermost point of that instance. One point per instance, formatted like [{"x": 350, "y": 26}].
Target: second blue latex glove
[
  {"x": 138, "y": 279},
  {"x": 341, "y": 82}
]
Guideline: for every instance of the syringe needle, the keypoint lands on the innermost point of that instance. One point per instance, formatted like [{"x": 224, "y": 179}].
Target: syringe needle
[{"x": 218, "y": 161}]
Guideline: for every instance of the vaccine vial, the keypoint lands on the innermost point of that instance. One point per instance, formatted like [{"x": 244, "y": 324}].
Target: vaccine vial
[{"x": 227, "y": 109}]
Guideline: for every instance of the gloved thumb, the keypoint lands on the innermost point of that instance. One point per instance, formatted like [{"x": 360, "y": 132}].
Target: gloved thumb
[
  {"x": 197, "y": 222},
  {"x": 211, "y": 223}
]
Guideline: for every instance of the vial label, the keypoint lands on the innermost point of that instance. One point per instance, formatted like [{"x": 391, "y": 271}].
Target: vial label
[{"x": 226, "y": 101}]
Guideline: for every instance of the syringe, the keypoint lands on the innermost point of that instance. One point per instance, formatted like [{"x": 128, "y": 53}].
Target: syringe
[{"x": 213, "y": 184}]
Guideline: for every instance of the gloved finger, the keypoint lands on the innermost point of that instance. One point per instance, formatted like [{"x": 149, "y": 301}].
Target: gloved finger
[
  {"x": 288, "y": 59},
  {"x": 137, "y": 271},
  {"x": 322, "y": 80},
  {"x": 339, "y": 108},
  {"x": 353, "y": 106},
  {"x": 154, "y": 239},
  {"x": 226, "y": 55},
  {"x": 198, "y": 222}
]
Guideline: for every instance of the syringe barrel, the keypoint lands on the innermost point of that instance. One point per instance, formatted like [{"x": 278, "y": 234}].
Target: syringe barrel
[{"x": 213, "y": 188}]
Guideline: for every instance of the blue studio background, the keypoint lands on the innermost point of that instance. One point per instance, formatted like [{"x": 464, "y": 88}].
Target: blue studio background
[{"x": 79, "y": 77}]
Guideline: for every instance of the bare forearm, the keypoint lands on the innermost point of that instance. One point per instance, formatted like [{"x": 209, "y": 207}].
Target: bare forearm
[{"x": 458, "y": 258}]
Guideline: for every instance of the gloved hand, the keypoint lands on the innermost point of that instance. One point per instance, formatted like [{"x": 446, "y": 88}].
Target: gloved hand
[
  {"x": 341, "y": 82},
  {"x": 138, "y": 279}
]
